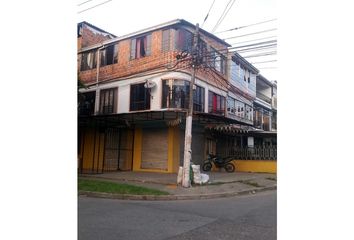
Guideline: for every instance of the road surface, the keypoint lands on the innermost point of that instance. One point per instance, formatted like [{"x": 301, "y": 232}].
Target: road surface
[{"x": 242, "y": 217}]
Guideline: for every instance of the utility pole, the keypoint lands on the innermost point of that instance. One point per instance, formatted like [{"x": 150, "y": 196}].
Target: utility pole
[{"x": 188, "y": 132}]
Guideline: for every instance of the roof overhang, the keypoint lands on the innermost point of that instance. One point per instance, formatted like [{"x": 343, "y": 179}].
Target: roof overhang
[{"x": 239, "y": 59}]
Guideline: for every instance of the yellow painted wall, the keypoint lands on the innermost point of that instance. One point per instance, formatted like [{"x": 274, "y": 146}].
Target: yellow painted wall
[
  {"x": 129, "y": 154},
  {"x": 176, "y": 151},
  {"x": 93, "y": 149},
  {"x": 137, "y": 149},
  {"x": 260, "y": 166}
]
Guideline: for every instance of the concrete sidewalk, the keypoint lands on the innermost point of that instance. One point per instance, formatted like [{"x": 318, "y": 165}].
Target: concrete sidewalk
[{"x": 221, "y": 184}]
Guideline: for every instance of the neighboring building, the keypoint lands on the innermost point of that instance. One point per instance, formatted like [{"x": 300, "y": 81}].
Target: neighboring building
[
  {"x": 132, "y": 116},
  {"x": 264, "y": 109},
  {"x": 88, "y": 34},
  {"x": 274, "y": 106}
]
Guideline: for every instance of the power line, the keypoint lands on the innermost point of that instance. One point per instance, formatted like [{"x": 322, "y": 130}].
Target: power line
[
  {"x": 236, "y": 28},
  {"x": 223, "y": 15},
  {"x": 257, "y": 48},
  {"x": 94, "y": 6},
  {"x": 84, "y": 2},
  {"x": 268, "y": 30},
  {"x": 206, "y": 17},
  {"x": 255, "y": 44},
  {"x": 253, "y": 40},
  {"x": 261, "y": 55},
  {"x": 267, "y": 68},
  {"x": 263, "y": 62}
]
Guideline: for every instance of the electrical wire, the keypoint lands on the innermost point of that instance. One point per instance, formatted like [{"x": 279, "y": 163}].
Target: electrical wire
[
  {"x": 94, "y": 6},
  {"x": 255, "y": 44},
  {"x": 84, "y": 2},
  {"x": 268, "y": 30},
  {"x": 223, "y": 15},
  {"x": 258, "y": 48},
  {"x": 261, "y": 55},
  {"x": 267, "y": 68},
  {"x": 253, "y": 24},
  {"x": 206, "y": 17},
  {"x": 253, "y": 40},
  {"x": 264, "y": 62}
]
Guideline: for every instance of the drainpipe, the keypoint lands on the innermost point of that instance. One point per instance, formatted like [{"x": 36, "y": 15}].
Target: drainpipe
[{"x": 97, "y": 102}]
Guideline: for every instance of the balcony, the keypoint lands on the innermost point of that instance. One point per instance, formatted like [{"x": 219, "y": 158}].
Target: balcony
[{"x": 264, "y": 97}]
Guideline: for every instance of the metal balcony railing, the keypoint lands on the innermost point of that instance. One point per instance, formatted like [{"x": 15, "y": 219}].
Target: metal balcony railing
[{"x": 251, "y": 153}]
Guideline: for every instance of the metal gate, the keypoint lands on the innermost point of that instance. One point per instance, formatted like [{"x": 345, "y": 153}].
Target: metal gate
[{"x": 117, "y": 150}]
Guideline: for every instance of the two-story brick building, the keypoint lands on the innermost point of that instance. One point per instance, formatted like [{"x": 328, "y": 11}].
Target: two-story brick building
[{"x": 132, "y": 115}]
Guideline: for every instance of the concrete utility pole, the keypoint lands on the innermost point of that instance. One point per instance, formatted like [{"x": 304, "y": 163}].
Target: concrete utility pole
[{"x": 188, "y": 132}]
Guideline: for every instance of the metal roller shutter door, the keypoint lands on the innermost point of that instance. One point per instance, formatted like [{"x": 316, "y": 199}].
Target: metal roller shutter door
[{"x": 154, "y": 149}]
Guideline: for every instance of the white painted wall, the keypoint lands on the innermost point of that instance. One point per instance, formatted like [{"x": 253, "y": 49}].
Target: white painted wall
[{"x": 123, "y": 87}]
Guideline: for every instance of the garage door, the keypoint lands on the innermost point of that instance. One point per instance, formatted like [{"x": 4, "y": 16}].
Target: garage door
[{"x": 154, "y": 149}]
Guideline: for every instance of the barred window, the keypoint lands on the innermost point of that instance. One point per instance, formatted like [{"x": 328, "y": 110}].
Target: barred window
[{"x": 139, "y": 97}]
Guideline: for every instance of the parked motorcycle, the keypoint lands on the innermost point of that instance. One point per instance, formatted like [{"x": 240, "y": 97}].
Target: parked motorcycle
[{"x": 219, "y": 162}]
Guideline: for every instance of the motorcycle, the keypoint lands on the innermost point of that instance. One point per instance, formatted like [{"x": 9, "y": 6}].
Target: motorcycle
[{"x": 219, "y": 162}]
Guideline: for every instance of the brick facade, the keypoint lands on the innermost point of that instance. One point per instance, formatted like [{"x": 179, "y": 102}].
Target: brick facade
[
  {"x": 90, "y": 35},
  {"x": 157, "y": 61}
]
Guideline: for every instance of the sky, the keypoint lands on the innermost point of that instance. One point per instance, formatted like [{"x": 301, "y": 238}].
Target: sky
[{"x": 123, "y": 17}]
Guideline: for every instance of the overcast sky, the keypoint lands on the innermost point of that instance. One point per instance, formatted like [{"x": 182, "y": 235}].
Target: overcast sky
[{"x": 121, "y": 17}]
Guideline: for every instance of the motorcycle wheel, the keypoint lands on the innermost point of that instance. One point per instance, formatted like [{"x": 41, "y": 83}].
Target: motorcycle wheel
[
  {"x": 207, "y": 167},
  {"x": 229, "y": 167}
]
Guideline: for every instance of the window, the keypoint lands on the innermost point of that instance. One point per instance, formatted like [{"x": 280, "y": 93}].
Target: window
[
  {"x": 249, "y": 113},
  {"x": 166, "y": 39},
  {"x": 88, "y": 60},
  {"x": 198, "y": 99},
  {"x": 175, "y": 93},
  {"x": 139, "y": 97},
  {"x": 203, "y": 51},
  {"x": 220, "y": 63},
  {"x": 258, "y": 118},
  {"x": 243, "y": 74},
  {"x": 212, "y": 57},
  {"x": 231, "y": 105},
  {"x": 109, "y": 55},
  {"x": 239, "y": 109},
  {"x": 247, "y": 76},
  {"x": 140, "y": 47},
  {"x": 108, "y": 101},
  {"x": 266, "y": 120},
  {"x": 216, "y": 103},
  {"x": 87, "y": 103},
  {"x": 183, "y": 40}
]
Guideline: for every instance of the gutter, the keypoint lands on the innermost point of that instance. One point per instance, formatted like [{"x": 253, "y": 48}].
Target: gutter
[{"x": 97, "y": 76}]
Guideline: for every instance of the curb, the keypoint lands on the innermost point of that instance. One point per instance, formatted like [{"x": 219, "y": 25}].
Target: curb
[{"x": 172, "y": 197}]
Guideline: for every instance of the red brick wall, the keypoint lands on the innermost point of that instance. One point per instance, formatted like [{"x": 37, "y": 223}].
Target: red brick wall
[
  {"x": 89, "y": 37},
  {"x": 156, "y": 61}
]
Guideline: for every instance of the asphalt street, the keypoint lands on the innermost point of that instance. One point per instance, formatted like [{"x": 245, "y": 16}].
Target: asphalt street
[{"x": 251, "y": 217}]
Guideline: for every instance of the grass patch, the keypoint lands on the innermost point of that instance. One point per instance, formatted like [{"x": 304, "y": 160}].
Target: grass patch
[
  {"x": 271, "y": 178},
  {"x": 121, "y": 188},
  {"x": 250, "y": 183}
]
